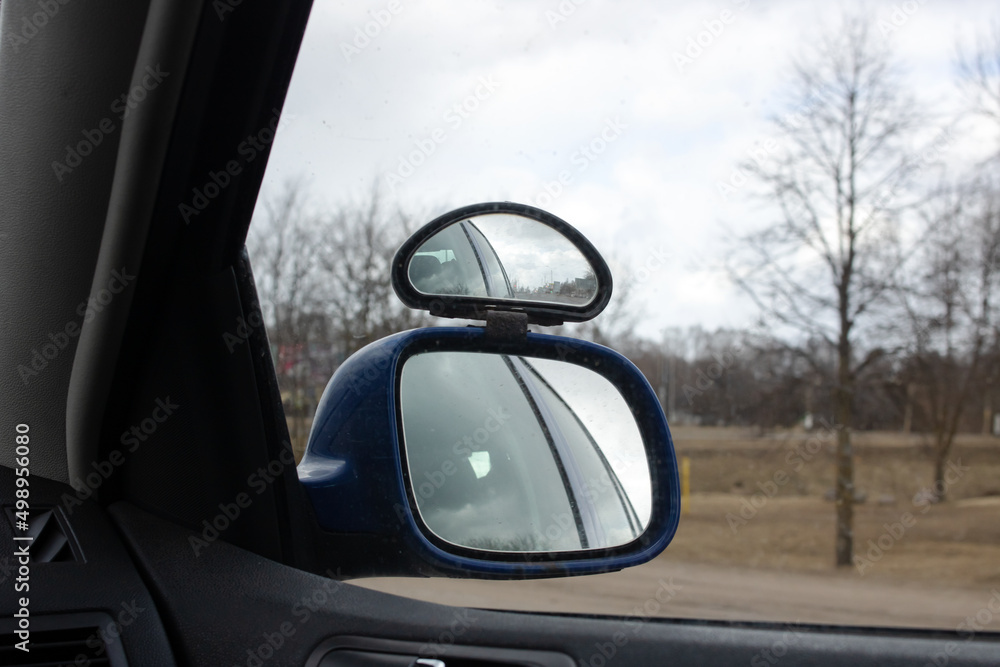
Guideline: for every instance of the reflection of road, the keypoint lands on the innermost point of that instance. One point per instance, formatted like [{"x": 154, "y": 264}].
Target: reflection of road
[
  {"x": 556, "y": 298},
  {"x": 713, "y": 592}
]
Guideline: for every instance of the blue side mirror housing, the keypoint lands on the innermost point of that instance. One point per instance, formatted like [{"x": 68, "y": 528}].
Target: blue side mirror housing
[{"x": 395, "y": 491}]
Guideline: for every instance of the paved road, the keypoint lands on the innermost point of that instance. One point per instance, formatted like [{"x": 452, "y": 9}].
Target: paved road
[{"x": 712, "y": 592}]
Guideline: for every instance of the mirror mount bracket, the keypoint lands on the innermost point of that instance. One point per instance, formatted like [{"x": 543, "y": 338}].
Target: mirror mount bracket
[{"x": 506, "y": 326}]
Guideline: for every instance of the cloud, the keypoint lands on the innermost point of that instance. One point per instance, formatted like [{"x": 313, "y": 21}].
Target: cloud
[{"x": 559, "y": 85}]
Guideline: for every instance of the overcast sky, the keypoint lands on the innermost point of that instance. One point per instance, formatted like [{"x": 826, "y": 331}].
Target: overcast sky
[{"x": 535, "y": 82}]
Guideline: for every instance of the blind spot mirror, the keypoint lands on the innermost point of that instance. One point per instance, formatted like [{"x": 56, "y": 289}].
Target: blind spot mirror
[
  {"x": 502, "y": 256},
  {"x": 508, "y": 453}
]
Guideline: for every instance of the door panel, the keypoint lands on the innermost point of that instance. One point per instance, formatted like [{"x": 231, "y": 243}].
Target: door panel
[{"x": 226, "y": 605}]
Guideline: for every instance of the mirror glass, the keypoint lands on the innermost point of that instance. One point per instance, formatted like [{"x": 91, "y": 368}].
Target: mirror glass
[
  {"x": 503, "y": 256},
  {"x": 508, "y": 453}
]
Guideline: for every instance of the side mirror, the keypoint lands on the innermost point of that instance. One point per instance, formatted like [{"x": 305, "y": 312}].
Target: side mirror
[
  {"x": 508, "y": 453},
  {"x": 448, "y": 452},
  {"x": 492, "y": 452},
  {"x": 502, "y": 256}
]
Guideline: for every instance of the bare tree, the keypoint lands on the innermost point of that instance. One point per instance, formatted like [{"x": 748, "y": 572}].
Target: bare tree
[
  {"x": 282, "y": 245},
  {"x": 831, "y": 252},
  {"x": 979, "y": 75},
  {"x": 355, "y": 260},
  {"x": 615, "y": 326},
  {"x": 323, "y": 278},
  {"x": 951, "y": 310},
  {"x": 979, "y": 79}
]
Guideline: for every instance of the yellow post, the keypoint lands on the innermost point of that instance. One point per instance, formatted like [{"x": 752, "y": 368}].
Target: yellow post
[{"x": 685, "y": 485}]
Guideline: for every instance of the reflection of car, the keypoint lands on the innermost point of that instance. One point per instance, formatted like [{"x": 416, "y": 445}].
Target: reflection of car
[
  {"x": 503, "y": 449},
  {"x": 460, "y": 260}
]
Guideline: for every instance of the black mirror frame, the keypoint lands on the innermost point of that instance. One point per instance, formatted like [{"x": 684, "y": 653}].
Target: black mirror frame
[{"x": 475, "y": 308}]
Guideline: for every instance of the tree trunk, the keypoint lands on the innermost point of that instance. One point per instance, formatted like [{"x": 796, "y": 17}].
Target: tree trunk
[
  {"x": 908, "y": 413},
  {"x": 939, "y": 486},
  {"x": 845, "y": 458},
  {"x": 988, "y": 410}
]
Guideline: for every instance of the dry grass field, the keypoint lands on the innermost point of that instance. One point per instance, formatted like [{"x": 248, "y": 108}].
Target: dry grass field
[
  {"x": 956, "y": 542},
  {"x": 925, "y": 565}
]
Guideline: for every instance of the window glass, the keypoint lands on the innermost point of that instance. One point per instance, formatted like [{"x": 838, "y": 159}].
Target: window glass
[
  {"x": 747, "y": 168},
  {"x": 448, "y": 264}
]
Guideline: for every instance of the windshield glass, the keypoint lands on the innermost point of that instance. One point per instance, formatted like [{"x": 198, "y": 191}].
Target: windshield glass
[{"x": 798, "y": 202}]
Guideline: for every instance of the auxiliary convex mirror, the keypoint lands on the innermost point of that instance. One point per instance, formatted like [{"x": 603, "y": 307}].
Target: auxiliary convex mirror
[{"x": 502, "y": 256}]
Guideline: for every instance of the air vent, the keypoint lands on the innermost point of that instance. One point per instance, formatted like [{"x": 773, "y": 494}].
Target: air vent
[
  {"x": 354, "y": 651},
  {"x": 71, "y": 646},
  {"x": 53, "y": 540},
  {"x": 63, "y": 640}
]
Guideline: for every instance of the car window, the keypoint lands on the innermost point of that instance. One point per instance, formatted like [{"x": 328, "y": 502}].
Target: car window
[
  {"x": 798, "y": 204},
  {"x": 448, "y": 264}
]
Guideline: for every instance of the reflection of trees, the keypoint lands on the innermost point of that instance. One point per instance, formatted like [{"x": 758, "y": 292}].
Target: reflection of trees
[
  {"x": 576, "y": 291},
  {"x": 453, "y": 289}
]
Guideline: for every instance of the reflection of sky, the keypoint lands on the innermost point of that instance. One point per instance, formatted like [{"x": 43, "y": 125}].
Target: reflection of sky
[
  {"x": 533, "y": 254},
  {"x": 606, "y": 415}
]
